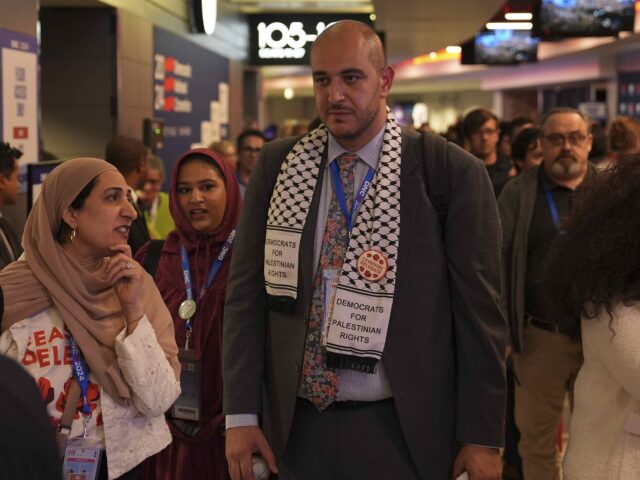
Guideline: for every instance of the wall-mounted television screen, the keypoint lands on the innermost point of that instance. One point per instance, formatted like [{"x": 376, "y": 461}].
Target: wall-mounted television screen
[
  {"x": 501, "y": 47},
  {"x": 583, "y": 18}
]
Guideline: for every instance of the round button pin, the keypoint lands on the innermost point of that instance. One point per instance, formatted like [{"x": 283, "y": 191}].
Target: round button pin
[{"x": 372, "y": 265}]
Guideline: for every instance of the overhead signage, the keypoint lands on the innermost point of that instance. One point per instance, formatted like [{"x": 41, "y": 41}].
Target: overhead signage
[{"x": 286, "y": 39}]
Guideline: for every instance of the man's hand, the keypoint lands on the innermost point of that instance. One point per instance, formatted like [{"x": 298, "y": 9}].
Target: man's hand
[
  {"x": 241, "y": 443},
  {"x": 481, "y": 463}
]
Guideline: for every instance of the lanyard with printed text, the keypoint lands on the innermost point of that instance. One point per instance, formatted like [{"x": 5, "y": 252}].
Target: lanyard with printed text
[
  {"x": 213, "y": 270},
  {"x": 187, "y": 309},
  {"x": 81, "y": 374},
  {"x": 359, "y": 197},
  {"x": 553, "y": 209}
]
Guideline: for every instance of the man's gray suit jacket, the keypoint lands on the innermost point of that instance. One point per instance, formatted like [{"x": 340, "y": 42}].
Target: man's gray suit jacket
[{"x": 446, "y": 338}]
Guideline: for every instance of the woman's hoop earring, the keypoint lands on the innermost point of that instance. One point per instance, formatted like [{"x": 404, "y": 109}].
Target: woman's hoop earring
[{"x": 72, "y": 237}]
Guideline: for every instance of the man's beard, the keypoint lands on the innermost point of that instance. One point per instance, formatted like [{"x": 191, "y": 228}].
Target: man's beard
[
  {"x": 363, "y": 121},
  {"x": 566, "y": 168}
]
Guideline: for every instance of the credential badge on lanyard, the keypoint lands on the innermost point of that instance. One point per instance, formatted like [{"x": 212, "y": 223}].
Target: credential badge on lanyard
[
  {"x": 187, "y": 406},
  {"x": 82, "y": 456}
]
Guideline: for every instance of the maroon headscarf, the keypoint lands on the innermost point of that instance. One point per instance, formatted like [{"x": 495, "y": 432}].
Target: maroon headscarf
[
  {"x": 202, "y": 249},
  {"x": 184, "y": 232}
]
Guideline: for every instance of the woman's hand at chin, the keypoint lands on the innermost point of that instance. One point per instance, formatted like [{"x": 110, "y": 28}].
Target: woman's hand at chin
[{"x": 125, "y": 275}]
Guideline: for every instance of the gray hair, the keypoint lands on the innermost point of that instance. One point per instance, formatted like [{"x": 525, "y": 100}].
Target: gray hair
[
  {"x": 558, "y": 110},
  {"x": 156, "y": 163}
]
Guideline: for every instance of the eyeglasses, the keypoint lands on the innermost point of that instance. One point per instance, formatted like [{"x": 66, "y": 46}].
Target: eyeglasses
[
  {"x": 485, "y": 131},
  {"x": 558, "y": 140},
  {"x": 251, "y": 150}
]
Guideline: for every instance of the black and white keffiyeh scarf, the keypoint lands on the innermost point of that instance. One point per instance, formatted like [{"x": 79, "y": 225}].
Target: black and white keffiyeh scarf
[{"x": 357, "y": 330}]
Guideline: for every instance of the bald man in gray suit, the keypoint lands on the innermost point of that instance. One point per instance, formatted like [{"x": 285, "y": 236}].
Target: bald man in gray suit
[{"x": 414, "y": 389}]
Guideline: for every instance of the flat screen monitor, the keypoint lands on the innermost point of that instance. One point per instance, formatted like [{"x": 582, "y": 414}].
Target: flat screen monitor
[
  {"x": 501, "y": 47},
  {"x": 583, "y": 18}
]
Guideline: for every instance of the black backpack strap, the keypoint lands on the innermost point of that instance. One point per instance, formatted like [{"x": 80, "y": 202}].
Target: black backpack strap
[
  {"x": 152, "y": 258},
  {"x": 434, "y": 163}
]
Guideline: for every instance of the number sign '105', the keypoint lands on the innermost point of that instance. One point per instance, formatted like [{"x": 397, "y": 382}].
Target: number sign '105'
[{"x": 293, "y": 36}]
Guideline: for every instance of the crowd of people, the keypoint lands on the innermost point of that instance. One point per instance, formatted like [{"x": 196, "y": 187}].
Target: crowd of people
[{"x": 355, "y": 302}]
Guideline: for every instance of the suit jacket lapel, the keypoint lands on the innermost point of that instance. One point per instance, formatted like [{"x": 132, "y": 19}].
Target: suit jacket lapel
[
  {"x": 13, "y": 247},
  {"x": 307, "y": 268},
  {"x": 5, "y": 245},
  {"x": 5, "y": 257},
  {"x": 411, "y": 190}
]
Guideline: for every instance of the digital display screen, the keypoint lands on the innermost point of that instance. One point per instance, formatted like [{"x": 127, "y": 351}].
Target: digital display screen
[
  {"x": 504, "y": 47},
  {"x": 584, "y": 18}
]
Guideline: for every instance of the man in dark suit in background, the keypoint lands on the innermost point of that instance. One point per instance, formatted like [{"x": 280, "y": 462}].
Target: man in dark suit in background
[
  {"x": 129, "y": 156},
  {"x": 369, "y": 341},
  {"x": 249, "y": 145},
  {"x": 481, "y": 130},
  {"x": 10, "y": 248}
]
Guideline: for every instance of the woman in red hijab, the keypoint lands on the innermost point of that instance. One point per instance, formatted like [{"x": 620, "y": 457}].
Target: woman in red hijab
[{"x": 191, "y": 275}]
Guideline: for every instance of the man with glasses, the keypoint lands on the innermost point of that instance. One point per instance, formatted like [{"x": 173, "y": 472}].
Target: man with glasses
[
  {"x": 250, "y": 143},
  {"x": 154, "y": 203},
  {"x": 481, "y": 132},
  {"x": 533, "y": 208}
]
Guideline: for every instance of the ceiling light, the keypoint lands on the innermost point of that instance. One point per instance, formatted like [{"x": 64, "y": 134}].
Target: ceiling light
[
  {"x": 288, "y": 93},
  {"x": 509, "y": 26},
  {"x": 205, "y": 14},
  {"x": 518, "y": 16},
  {"x": 433, "y": 55},
  {"x": 453, "y": 49},
  {"x": 372, "y": 17}
]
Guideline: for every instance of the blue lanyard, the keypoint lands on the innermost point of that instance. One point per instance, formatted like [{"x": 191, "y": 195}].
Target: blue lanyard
[
  {"x": 359, "y": 197},
  {"x": 553, "y": 209},
  {"x": 81, "y": 374},
  {"x": 213, "y": 270}
]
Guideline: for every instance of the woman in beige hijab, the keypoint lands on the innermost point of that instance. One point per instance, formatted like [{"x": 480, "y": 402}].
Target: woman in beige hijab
[{"x": 77, "y": 281}]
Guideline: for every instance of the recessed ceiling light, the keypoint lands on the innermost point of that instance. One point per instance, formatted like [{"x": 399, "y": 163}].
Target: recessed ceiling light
[{"x": 518, "y": 16}]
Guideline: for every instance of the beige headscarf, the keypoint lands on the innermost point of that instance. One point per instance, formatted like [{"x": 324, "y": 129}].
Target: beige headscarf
[{"x": 51, "y": 277}]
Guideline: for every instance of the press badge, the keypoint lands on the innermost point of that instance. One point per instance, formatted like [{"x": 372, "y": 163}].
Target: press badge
[
  {"x": 187, "y": 406},
  {"x": 329, "y": 286},
  {"x": 81, "y": 460}
]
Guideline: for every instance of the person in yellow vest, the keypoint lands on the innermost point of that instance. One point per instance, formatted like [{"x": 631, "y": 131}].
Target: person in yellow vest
[{"x": 155, "y": 203}]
